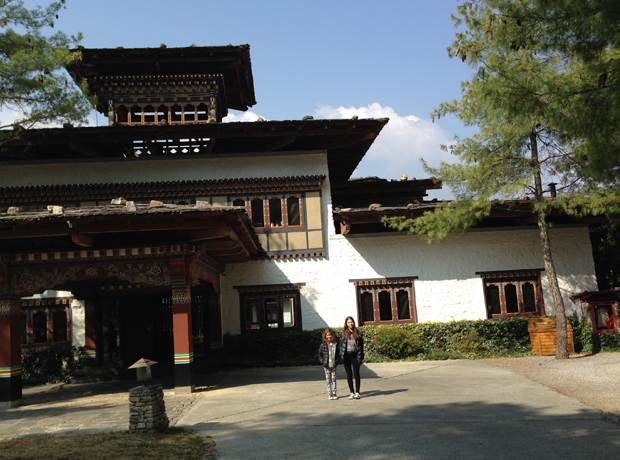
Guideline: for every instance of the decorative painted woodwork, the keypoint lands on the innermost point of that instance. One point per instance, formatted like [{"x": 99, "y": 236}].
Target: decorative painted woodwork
[
  {"x": 27, "y": 280},
  {"x": 386, "y": 300},
  {"x": 512, "y": 293},
  {"x": 76, "y": 193},
  {"x": 161, "y": 99}
]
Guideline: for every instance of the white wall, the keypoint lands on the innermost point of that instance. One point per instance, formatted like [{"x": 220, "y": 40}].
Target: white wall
[
  {"x": 448, "y": 287},
  {"x": 164, "y": 169}
]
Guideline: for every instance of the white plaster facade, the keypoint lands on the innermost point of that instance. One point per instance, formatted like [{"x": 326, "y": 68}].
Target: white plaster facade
[{"x": 447, "y": 286}]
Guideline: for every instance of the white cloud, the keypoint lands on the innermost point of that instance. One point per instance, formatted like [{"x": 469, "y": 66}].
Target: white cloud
[
  {"x": 245, "y": 116},
  {"x": 400, "y": 145}
]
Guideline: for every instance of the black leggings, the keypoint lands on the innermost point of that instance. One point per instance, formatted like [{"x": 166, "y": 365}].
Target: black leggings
[{"x": 350, "y": 361}]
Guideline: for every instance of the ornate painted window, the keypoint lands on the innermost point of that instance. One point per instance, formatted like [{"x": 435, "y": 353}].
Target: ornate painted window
[
  {"x": 269, "y": 307},
  {"x": 46, "y": 322},
  {"x": 512, "y": 293},
  {"x": 273, "y": 211},
  {"x": 386, "y": 301}
]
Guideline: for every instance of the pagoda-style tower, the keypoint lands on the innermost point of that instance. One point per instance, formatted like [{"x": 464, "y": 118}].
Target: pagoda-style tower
[{"x": 167, "y": 86}]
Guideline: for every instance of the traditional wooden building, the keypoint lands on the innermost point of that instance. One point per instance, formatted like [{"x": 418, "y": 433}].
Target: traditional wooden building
[{"x": 167, "y": 228}]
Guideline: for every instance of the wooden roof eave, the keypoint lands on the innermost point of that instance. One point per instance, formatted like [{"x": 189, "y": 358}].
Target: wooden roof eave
[{"x": 228, "y": 231}]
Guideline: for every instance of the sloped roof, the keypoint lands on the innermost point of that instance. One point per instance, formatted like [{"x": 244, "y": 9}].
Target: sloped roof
[
  {"x": 345, "y": 141},
  {"x": 233, "y": 62}
]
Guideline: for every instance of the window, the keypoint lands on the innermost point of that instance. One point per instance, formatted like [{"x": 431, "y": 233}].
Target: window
[
  {"x": 272, "y": 307},
  {"x": 280, "y": 211},
  {"x": 386, "y": 301},
  {"x": 257, "y": 213},
  {"x": 46, "y": 322},
  {"x": 514, "y": 293},
  {"x": 603, "y": 317}
]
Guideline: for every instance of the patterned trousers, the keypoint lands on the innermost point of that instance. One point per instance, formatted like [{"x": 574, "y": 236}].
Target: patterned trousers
[{"x": 330, "y": 379}]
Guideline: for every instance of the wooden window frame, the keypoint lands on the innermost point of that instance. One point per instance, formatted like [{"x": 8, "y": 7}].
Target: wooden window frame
[
  {"x": 518, "y": 278},
  {"x": 301, "y": 211},
  {"x": 48, "y": 306},
  {"x": 267, "y": 209},
  {"x": 49, "y": 311},
  {"x": 612, "y": 323},
  {"x": 391, "y": 286},
  {"x": 260, "y": 296}
]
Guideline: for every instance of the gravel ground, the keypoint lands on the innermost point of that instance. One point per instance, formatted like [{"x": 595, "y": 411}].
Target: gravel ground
[{"x": 593, "y": 379}]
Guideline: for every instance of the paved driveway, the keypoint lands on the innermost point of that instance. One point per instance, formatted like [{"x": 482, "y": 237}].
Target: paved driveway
[{"x": 413, "y": 410}]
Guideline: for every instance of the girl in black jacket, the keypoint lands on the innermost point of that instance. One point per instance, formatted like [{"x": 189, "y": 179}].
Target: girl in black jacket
[
  {"x": 329, "y": 353},
  {"x": 352, "y": 353}
]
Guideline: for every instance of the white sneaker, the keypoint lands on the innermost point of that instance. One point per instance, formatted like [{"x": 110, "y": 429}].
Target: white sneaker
[
  {"x": 357, "y": 396},
  {"x": 334, "y": 397},
  {"x": 352, "y": 396}
]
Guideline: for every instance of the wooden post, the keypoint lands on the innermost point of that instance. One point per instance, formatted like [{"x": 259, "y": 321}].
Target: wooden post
[
  {"x": 10, "y": 353},
  {"x": 183, "y": 340}
]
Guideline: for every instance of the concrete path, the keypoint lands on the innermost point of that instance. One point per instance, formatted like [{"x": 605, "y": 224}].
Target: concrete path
[{"x": 413, "y": 410}]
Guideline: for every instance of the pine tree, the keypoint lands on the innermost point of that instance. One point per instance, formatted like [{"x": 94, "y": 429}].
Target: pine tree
[
  {"x": 33, "y": 82},
  {"x": 523, "y": 98}
]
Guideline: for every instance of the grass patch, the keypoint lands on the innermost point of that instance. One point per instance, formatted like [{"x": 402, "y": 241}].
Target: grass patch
[{"x": 174, "y": 443}]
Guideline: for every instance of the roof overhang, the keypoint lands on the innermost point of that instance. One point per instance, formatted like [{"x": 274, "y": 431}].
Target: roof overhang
[
  {"x": 345, "y": 141},
  {"x": 233, "y": 62},
  {"x": 506, "y": 213},
  {"x": 225, "y": 233}
]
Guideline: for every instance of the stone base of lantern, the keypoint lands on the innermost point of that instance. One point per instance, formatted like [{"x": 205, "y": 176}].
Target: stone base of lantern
[{"x": 147, "y": 410}]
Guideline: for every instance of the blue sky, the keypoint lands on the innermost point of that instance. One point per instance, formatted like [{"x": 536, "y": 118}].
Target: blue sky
[{"x": 329, "y": 59}]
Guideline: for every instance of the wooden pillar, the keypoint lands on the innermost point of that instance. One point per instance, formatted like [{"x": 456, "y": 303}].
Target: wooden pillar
[
  {"x": 90, "y": 340},
  {"x": 10, "y": 353},
  {"x": 215, "y": 323},
  {"x": 183, "y": 340}
]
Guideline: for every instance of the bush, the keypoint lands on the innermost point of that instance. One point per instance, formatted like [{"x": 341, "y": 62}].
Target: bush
[
  {"x": 397, "y": 343},
  {"x": 51, "y": 365},
  {"x": 467, "y": 341},
  {"x": 587, "y": 340}
]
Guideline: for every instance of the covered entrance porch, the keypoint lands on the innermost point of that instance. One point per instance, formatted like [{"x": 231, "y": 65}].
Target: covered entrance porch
[{"x": 147, "y": 275}]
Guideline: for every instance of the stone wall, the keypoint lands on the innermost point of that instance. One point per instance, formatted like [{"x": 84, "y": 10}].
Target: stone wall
[{"x": 147, "y": 409}]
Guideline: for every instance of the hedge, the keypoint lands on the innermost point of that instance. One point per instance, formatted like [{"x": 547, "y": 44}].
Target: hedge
[
  {"x": 51, "y": 365},
  {"x": 453, "y": 340},
  {"x": 588, "y": 341}
]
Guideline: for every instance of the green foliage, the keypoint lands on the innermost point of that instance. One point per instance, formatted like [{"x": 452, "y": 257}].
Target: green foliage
[
  {"x": 51, "y": 365},
  {"x": 32, "y": 68},
  {"x": 606, "y": 250},
  {"x": 468, "y": 341},
  {"x": 453, "y": 340},
  {"x": 396, "y": 342},
  {"x": 588, "y": 341},
  {"x": 290, "y": 348},
  {"x": 545, "y": 97}
]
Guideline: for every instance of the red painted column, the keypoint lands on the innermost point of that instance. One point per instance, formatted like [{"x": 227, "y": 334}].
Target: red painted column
[
  {"x": 10, "y": 353},
  {"x": 183, "y": 340},
  {"x": 90, "y": 342}
]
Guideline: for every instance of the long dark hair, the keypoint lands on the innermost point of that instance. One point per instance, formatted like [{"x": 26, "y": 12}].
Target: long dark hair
[{"x": 345, "y": 332}]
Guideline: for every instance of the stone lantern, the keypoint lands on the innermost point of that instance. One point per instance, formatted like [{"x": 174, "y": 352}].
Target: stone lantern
[{"x": 147, "y": 410}]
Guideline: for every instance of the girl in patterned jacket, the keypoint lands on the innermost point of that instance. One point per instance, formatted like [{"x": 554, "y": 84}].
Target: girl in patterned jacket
[{"x": 329, "y": 352}]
